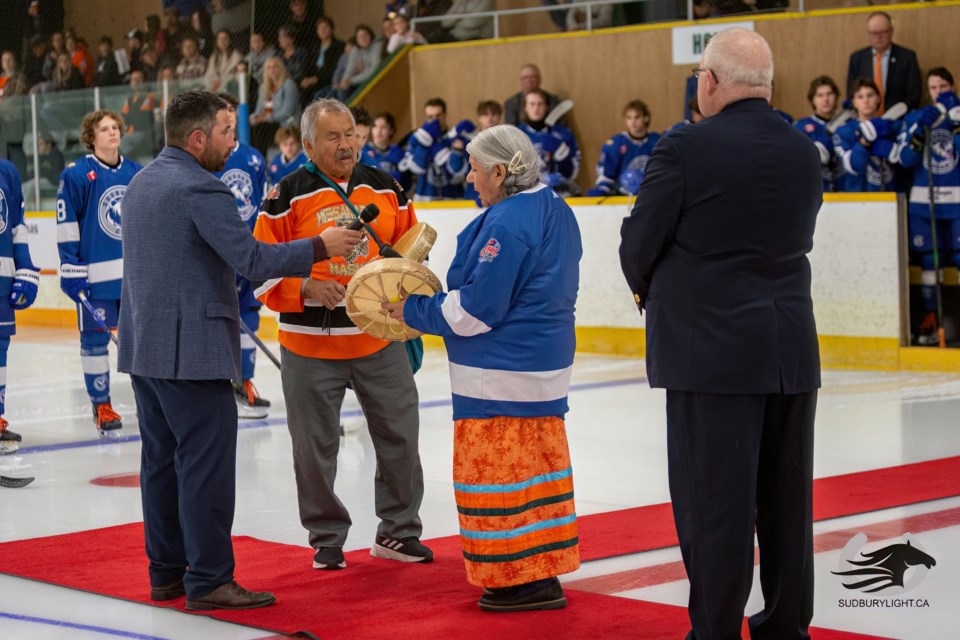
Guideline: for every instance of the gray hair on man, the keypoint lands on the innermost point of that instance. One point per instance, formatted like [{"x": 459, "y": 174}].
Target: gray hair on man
[
  {"x": 505, "y": 144},
  {"x": 740, "y": 58},
  {"x": 308, "y": 121}
]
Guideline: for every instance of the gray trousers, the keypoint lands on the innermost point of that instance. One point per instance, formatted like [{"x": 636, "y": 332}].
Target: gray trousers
[{"x": 313, "y": 389}]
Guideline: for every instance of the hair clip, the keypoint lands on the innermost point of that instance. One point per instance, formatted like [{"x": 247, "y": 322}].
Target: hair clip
[{"x": 515, "y": 167}]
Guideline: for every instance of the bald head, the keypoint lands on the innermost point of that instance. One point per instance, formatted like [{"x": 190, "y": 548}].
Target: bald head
[{"x": 741, "y": 66}]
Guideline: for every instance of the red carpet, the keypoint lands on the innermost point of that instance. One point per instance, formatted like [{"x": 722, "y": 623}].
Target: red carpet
[{"x": 371, "y": 599}]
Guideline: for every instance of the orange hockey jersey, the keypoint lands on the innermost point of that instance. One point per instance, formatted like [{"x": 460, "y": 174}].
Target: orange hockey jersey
[{"x": 302, "y": 205}]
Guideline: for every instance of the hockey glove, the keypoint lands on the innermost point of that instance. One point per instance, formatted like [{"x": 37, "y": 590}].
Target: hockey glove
[
  {"x": 428, "y": 132},
  {"x": 554, "y": 180},
  {"x": 73, "y": 280},
  {"x": 23, "y": 293},
  {"x": 931, "y": 115},
  {"x": 882, "y": 149},
  {"x": 824, "y": 152},
  {"x": 949, "y": 100},
  {"x": 877, "y": 128},
  {"x": 465, "y": 130}
]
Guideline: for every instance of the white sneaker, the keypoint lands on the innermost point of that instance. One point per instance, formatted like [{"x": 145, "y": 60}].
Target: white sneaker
[{"x": 246, "y": 412}]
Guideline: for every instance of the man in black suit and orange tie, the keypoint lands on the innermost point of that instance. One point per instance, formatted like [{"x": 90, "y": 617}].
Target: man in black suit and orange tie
[
  {"x": 892, "y": 67},
  {"x": 715, "y": 252}
]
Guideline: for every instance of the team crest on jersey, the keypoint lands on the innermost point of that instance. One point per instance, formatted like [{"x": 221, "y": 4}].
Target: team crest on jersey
[
  {"x": 91, "y": 175},
  {"x": 240, "y": 184},
  {"x": 490, "y": 250},
  {"x": 881, "y": 176},
  {"x": 638, "y": 164},
  {"x": 809, "y": 127},
  {"x": 4, "y": 212},
  {"x": 274, "y": 192},
  {"x": 943, "y": 155},
  {"x": 108, "y": 211},
  {"x": 342, "y": 216}
]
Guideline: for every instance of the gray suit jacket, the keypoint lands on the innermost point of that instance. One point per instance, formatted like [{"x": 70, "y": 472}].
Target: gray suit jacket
[{"x": 183, "y": 243}]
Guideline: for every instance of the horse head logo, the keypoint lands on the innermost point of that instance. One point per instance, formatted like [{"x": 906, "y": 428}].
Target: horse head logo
[{"x": 884, "y": 568}]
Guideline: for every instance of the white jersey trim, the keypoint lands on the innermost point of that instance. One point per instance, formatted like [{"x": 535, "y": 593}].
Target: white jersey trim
[
  {"x": 68, "y": 232},
  {"x": 20, "y": 234},
  {"x": 320, "y": 331},
  {"x": 266, "y": 286},
  {"x": 7, "y": 268},
  {"x": 510, "y": 386},
  {"x": 105, "y": 271},
  {"x": 941, "y": 195},
  {"x": 95, "y": 365},
  {"x": 459, "y": 319}
]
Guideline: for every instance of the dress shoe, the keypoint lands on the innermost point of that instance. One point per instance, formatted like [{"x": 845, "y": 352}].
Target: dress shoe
[
  {"x": 168, "y": 592},
  {"x": 231, "y": 596},
  {"x": 540, "y": 594}
]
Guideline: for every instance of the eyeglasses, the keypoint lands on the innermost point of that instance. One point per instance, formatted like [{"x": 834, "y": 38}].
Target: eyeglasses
[
  {"x": 879, "y": 34},
  {"x": 696, "y": 71}
]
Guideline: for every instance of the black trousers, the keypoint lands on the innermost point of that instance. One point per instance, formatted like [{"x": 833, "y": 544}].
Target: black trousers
[
  {"x": 188, "y": 480},
  {"x": 739, "y": 463}
]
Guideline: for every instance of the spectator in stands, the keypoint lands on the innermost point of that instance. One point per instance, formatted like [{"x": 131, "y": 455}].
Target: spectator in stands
[
  {"x": 403, "y": 34},
  {"x": 294, "y": 57},
  {"x": 222, "y": 65},
  {"x": 893, "y": 68},
  {"x": 301, "y": 23},
  {"x": 432, "y": 31},
  {"x": 155, "y": 36},
  {"x": 290, "y": 157},
  {"x": 8, "y": 69},
  {"x": 36, "y": 60},
  {"x": 867, "y": 143},
  {"x": 168, "y": 73},
  {"x": 601, "y": 17},
  {"x": 51, "y": 160},
  {"x": 278, "y": 104},
  {"x": 529, "y": 81},
  {"x": 556, "y": 145},
  {"x": 380, "y": 152},
  {"x": 232, "y": 16},
  {"x": 134, "y": 49},
  {"x": 624, "y": 157},
  {"x": 386, "y": 32},
  {"x": 362, "y": 62},
  {"x": 695, "y": 116},
  {"x": 440, "y": 166},
  {"x": 192, "y": 65},
  {"x": 184, "y": 7},
  {"x": 66, "y": 77},
  {"x": 106, "y": 72},
  {"x": 173, "y": 34},
  {"x": 469, "y": 28},
  {"x": 364, "y": 122},
  {"x": 329, "y": 52},
  {"x": 42, "y": 18},
  {"x": 138, "y": 116},
  {"x": 823, "y": 96},
  {"x": 57, "y": 46},
  {"x": 258, "y": 54},
  {"x": 80, "y": 56},
  {"x": 340, "y": 72},
  {"x": 149, "y": 65},
  {"x": 203, "y": 32}
]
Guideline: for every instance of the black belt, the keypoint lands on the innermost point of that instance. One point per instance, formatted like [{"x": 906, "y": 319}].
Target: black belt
[{"x": 319, "y": 317}]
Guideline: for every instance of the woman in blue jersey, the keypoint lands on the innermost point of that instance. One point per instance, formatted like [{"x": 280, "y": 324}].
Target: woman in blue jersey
[{"x": 508, "y": 324}]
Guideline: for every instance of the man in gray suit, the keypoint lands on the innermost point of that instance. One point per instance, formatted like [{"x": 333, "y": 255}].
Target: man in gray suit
[{"x": 180, "y": 341}]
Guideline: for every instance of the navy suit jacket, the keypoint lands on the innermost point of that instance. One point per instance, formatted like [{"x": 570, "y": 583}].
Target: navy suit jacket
[
  {"x": 716, "y": 249},
  {"x": 904, "y": 83},
  {"x": 183, "y": 243}
]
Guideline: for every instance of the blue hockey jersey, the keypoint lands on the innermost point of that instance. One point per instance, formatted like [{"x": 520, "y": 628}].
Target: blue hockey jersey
[
  {"x": 246, "y": 175},
  {"x": 832, "y": 172},
  {"x": 944, "y": 148},
  {"x": 440, "y": 169},
  {"x": 279, "y": 169},
  {"x": 559, "y": 156},
  {"x": 88, "y": 220},
  {"x": 14, "y": 251},
  {"x": 387, "y": 160},
  {"x": 508, "y": 317},
  {"x": 622, "y": 154},
  {"x": 865, "y": 171}
]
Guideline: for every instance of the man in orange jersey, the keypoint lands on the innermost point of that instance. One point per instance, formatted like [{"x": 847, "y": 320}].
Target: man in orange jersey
[{"x": 323, "y": 352}]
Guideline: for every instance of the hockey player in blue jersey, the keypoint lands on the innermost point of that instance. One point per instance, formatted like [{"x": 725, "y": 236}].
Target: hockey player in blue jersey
[
  {"x": 695, "y": 116},
  {"x": 867, "y": 144},
  {"x": 437, "y": 156},
  {"x": 380, "y": 152},
  {"x": 19, "y": 280},
  {"x": 936, "y": 125},
  {"x": 291, "y": 156},
  {"x": 624, "y": 157},
  {"x": 489, "y": 114},
  {"x": 558, "y": 148},
  {"x": 823, "y": 95},
  {"x": 91, "y": 257},
  {"x": 245, "y": 173}
]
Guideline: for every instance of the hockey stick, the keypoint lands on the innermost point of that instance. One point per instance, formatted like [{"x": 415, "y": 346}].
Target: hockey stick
[
  {"x": 14, "y": 483},
  {"x": 558, "y": 112},
  {"x": 839, "y": 120},
  {"x": 99, "y": 320},
  {"x": 927, "y": 152},
  {"x": 896, "y": 112},
  {"x": 253, "y": 336}
]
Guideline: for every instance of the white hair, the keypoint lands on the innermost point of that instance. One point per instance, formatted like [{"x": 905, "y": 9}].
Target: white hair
[
  {"x": 505, "y": 144},
  {"x": 738, "y": 56},
  {"x": 308, "y": 121}
]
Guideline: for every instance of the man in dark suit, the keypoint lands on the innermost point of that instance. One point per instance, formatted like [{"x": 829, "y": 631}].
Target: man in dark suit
[
  {"x": 892, "y": 67},
  {"x": 529, "y": 80},
  {"x": 715, "y": 252},
  {"x": 183, "y": 244}
]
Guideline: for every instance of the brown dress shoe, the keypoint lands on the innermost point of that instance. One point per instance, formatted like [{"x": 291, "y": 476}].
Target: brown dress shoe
[
  {"x": 168, "y": 592},
  {"x": 231, "y": 596}
]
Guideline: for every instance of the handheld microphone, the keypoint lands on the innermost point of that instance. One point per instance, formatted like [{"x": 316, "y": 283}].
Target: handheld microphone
[{"x": 368, "y": 215}]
